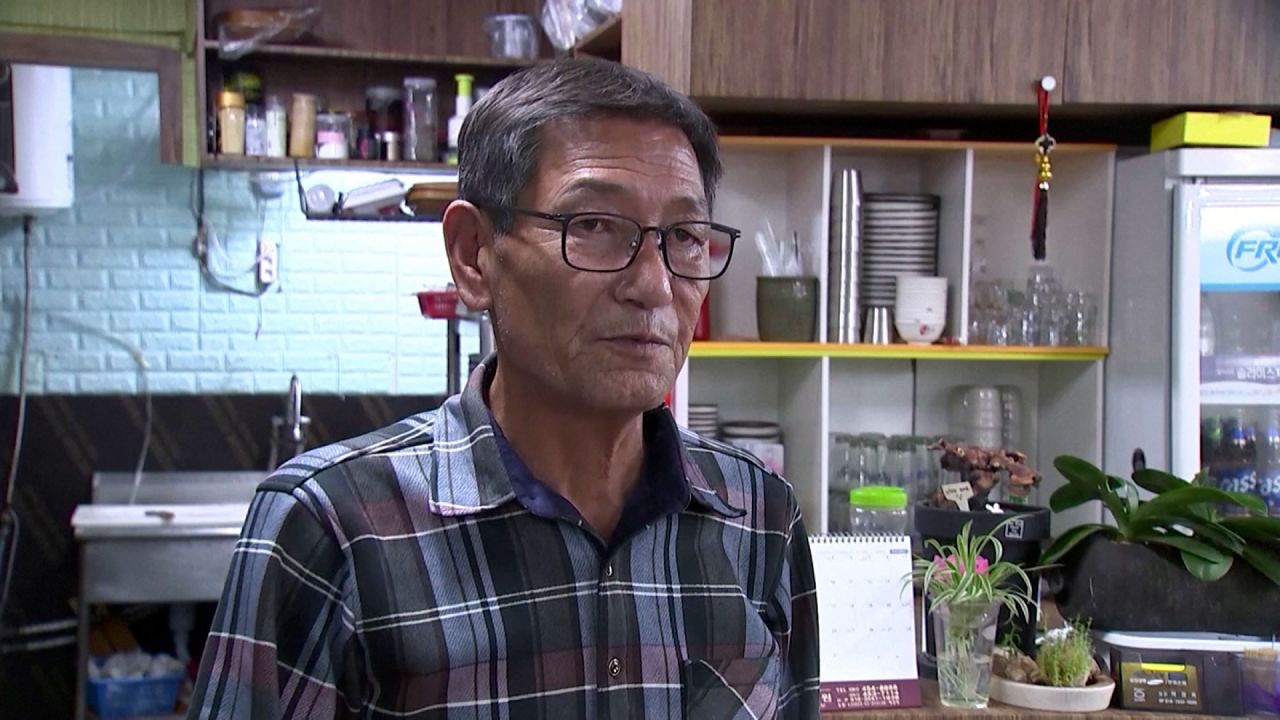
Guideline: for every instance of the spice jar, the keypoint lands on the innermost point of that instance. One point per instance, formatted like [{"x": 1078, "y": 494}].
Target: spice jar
[
  {"x": 230, "y": 123},
  {"x": 419, "y": 119},
  {"x": 277, "y": 127},
  {"x": 302, "y": 126},
  {"x": 332, "y": 131}
]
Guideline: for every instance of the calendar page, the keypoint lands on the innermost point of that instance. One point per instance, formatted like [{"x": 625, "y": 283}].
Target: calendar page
[{"x": 866, "y": 622}]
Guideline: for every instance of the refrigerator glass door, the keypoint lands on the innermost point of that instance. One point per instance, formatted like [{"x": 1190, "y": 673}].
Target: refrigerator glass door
[{"x": 1226, "y": 337}]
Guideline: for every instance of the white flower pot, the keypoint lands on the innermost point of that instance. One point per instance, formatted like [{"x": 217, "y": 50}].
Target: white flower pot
[{"x": 1090, "y": 698}]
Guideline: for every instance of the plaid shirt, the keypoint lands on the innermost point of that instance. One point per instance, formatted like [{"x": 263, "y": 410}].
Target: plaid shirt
[{"x": 409, "y": 573}]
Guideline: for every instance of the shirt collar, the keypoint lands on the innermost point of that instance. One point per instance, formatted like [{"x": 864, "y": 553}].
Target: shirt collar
[{"x": 465, "y": 427}]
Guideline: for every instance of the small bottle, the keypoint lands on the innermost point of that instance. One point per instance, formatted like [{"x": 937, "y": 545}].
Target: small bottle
[
  {"x": 255, "y": 131},
  {"x": 462, "y": 106},
  {"x": 302, "y": 126},
  {"x": 230, "y": 123},
  {"x": 277, "y": 121},
  {"x": 878, "y": 510}
]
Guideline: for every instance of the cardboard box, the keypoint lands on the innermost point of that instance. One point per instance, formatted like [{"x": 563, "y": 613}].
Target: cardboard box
[{"x": 1224, "y": 129}]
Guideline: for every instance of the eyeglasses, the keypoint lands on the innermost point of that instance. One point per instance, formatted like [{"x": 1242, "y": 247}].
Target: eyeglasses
[{"x": 605, "y": 242}]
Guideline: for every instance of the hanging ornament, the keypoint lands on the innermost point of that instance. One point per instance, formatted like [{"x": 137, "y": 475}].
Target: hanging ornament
[{"x": 1044, "y": 171}]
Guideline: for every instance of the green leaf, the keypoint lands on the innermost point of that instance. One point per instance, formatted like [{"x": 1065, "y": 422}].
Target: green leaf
[
  {"x": 1252, "y": 502},
  {"x": 1255, "y": 528},
  {"x": 1071, "y": 495},
  {"x": 1085, "y": 474},
  {"x": 1070, "y": 539},
  {"x": 1157, "y": 481},
  {"x": 1264, "y": 563},
  {"x": 1206, "y": 570},
  {"x": 1215, "y": 534},
  {"x": 1175, "y": 503},
  {"x": 1181, "y": 542}
]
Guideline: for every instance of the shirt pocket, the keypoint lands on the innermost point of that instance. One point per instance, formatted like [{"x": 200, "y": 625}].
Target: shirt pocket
[{"x": 735, "y": 689}]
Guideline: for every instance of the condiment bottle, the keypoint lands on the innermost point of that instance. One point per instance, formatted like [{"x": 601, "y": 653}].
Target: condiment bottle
[
  {"x": 331, "y": 135},
  {"x": 302, "y": 126},
  {"x": 230, "y": 123},
  {"x": 462, "y": 106},
  {"x": 277, "y": 127},
  {"x": 255, "y": 131}
]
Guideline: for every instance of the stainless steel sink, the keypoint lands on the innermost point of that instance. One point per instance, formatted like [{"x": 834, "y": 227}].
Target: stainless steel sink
[{"x": 173, "y": 544}]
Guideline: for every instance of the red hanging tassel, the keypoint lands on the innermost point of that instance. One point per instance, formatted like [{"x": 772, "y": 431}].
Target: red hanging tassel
[{"x": 1044, "y": 173}]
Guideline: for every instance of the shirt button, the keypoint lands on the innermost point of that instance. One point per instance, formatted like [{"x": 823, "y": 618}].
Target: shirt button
[
  {"x": 615, "y": 667},
  {"x": 608, "y": 570}
]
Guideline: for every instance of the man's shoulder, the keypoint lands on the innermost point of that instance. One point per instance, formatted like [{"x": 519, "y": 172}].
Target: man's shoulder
[
  {"x": 742, "y": 474},
  {"x": 355, "y": 455}
]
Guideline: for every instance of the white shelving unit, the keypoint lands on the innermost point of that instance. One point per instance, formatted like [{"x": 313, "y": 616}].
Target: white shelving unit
[{"x": 814, "y": 389}]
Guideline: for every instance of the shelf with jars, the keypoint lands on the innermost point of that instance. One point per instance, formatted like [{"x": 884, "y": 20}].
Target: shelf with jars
[{"x": 830, "y": 381}]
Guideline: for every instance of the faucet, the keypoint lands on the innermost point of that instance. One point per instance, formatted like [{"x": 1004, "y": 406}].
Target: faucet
[{"x": 288, "y": 431}]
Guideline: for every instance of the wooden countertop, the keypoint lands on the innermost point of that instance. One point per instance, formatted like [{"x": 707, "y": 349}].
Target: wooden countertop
[{"x": 933, "y": 709}]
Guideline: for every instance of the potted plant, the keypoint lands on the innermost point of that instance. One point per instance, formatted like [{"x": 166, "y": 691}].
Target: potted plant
[
  {"x": 1181, "y": 546},
  {"x": 1021, "y": 528},
  {"x": 965, "y": 591},
  {"x": 1063, "y": 677}
]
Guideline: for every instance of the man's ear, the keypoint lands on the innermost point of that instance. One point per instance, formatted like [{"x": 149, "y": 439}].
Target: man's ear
[{"x": 466, "y": 231}]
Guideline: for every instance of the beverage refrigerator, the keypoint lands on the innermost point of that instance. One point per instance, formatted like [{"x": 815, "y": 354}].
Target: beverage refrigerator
[{"x": 1193, "y": 375}]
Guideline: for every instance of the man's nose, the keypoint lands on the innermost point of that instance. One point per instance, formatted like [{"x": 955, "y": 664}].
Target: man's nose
[{"x": 646, "y": 282}]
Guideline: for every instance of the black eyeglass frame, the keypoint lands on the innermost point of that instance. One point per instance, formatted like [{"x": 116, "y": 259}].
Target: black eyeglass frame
[{"x": 566, "y": 219}]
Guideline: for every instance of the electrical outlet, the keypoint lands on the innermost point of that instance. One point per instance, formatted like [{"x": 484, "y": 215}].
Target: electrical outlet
[{"x": 268, "y": 262}]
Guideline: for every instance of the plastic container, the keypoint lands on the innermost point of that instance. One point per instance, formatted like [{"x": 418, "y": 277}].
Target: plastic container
[
  {"x": 878, "y": 510},
  {"x": 302, "y": 126},
  {"x": 513, "y": 37},
  {"x": 277, "y": 120},
  {"x": 120, "y": 698},
  {"x": 420, "y": 119},
  {"x": 1261, "y": 681},
  {"x": 333, "y": 135},
  {"x": 231, "y": 119}
]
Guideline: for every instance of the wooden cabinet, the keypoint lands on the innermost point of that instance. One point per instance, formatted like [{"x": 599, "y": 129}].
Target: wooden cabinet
[
  {"x": 905, "y": 51},
  {"x": 919, "y": 54},
  {"x": 1173, "y": 52}
]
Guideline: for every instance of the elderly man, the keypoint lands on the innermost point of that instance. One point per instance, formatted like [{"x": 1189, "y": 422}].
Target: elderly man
[{"x": 548, "y": 544}]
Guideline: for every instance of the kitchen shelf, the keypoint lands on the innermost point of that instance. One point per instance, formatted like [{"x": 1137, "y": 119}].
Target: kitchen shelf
[
  {"x": 605, "y": 41},
  {"x": 754, "y": 349},
  {"x": 334, "y": 53},
  {"x": 253, "y": 162}
]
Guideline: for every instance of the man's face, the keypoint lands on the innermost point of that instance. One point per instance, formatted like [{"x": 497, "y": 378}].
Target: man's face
[{"x": 598, "y": 341}]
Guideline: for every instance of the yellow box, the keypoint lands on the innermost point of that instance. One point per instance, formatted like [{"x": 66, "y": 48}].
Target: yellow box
[{"x": 1224, "y": 129}]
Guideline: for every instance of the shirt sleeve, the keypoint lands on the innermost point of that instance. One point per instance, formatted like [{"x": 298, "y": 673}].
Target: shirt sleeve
[
  {"x": 282, "y": 644},
  {"x": 799, "y": 693}
]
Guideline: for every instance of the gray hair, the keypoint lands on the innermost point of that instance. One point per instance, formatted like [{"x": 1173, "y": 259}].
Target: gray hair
[{"x": 498, "y": 143}]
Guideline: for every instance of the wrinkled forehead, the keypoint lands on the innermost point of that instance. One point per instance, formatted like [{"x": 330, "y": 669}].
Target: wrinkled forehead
[{"x": 615, "y": 158}]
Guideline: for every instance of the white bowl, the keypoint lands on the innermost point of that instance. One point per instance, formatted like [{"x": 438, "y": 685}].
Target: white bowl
[
  {"x": 1091, "y": 698},
  {"x": 918, "y": 333}
]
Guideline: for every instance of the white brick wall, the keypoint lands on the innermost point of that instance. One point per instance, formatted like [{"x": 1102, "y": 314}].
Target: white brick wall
[{"x": 116, "y": 271}]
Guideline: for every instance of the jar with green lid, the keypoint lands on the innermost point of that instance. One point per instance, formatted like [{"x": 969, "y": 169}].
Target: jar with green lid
[{"x": 878, "y": 510}]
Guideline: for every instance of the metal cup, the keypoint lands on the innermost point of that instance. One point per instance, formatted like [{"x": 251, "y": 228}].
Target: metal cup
[{"x": 877, "y": 326}]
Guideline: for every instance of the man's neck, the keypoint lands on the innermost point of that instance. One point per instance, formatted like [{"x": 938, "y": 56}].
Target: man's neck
[{"x": 592, "y": 459}]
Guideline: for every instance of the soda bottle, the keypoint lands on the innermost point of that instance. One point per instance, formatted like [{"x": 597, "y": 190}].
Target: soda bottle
[
  {"x": 1239, "y": 467},
  {"x": 1269, "y": 463},
  {"x": 1210, "y": 443}
]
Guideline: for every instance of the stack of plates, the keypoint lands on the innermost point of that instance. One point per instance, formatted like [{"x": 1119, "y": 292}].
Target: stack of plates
[
  {"x": 899, "y": 237},
  {"x": 704, "y": 419},
  {"x": 758, "y": 430}
]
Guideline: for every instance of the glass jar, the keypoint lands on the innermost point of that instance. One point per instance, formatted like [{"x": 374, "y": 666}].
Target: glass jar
[
  {"x": 277, "y": 121},
  {"x": 230, "y": 123},
  {"x": 878, "y": 510},
  {"x": 333, "y": 132},
  {"x": 302, "y": 126},
  {"x": 420, "y": 119},
  {"x": 255, "y": 131}
]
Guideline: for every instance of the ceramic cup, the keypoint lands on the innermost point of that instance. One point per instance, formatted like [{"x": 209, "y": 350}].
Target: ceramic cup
[{"x": 786, "y": 308}]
